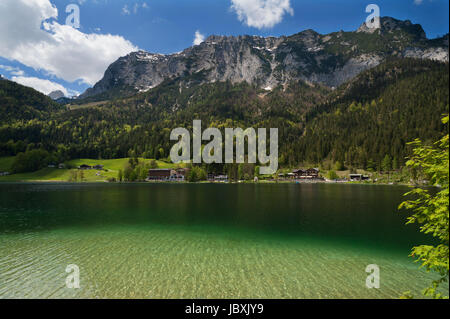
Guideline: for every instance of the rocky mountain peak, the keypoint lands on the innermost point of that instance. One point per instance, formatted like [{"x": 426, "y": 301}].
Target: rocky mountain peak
[
  {"x": 330, "y": 59},
  {"x": 391, "y": 25},
  {"x": 56, "y": 95}
]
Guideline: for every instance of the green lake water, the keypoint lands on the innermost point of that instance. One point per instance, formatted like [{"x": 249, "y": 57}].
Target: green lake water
[{"x": 206, "y": 241}]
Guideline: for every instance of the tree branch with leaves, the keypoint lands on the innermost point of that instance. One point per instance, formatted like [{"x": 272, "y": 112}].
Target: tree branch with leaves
[{"x": 431, "y": 208}]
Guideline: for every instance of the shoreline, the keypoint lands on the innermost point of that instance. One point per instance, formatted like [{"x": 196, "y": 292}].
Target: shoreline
[{"x": 201, "y": 182}]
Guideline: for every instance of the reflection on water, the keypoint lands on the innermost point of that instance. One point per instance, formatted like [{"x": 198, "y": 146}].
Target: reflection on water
[{"x": 205, "y": 241}]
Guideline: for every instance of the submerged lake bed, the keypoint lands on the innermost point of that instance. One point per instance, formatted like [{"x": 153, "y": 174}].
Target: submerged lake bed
[{"x": 206, "y": 241}]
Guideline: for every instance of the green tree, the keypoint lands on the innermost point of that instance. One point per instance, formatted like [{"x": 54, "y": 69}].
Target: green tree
[
  {"x": 30, "y": 161},
  {"x": 256, "y": 171},
  {"x": 127, "y": 172},
  {"x": 431, "y": 209},
  {"x": 339, "y": 166},
  {"x": 192, "y": 177},
  {"x": 144, "y": 173},
  {"x": 386, "y": 164},
  {"x": 395, "y": 165},
  {"x": 241, "y": 171},
  {"x": 73, "y": 175},
  {"x": 133, "y": 176},
  {"x": 161, "y": 152},
  {"x": 120, "y": 176},
  {"x": 153, "y": 164},
  {"x": 332, "y": 175},
  {"x": 371, "y": 166},
  {"x": 197, "y": 174}
]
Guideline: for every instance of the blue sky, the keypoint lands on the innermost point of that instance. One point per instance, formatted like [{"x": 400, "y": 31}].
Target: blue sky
[{"x": 168, "y": 26}]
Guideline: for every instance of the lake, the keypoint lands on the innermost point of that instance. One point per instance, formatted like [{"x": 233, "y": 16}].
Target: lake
[{"x": 206, "y": 241}]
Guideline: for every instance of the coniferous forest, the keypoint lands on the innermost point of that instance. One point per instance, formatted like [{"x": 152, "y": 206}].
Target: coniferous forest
[{"x": 365, "y": 123}]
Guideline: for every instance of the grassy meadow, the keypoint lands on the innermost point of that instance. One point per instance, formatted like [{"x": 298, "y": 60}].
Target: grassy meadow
[{"x": 111, "y": 166}]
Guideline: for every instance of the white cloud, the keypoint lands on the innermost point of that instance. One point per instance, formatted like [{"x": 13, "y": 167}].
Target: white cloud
[
  {"x": 125, "y": 10},
  {"x": 12, "y": 70},
  {"x": 135, "y": 8},
  {"x": 419, "y": 2},
  {"x": 261, "y": 13},
  {"x": 43, "y": 86},
  {"x": 198, "y": 38},
  {"x": 58, "y": 49}
]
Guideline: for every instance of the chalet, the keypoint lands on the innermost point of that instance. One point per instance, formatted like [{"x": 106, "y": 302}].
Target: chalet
[
  {"x": 286, "y": 176},
  {"x": 182, "y": 171},
  {"x": 177, "y": 178},
  {"x": 84, "y": 167},
  {"x": 221, "y": 178},
  {"x": 358, "y": 177},
  {"x": 310, "y": 173},
  {"x": 179, "y": 175},
  {"x": 160, "y": 174},
  {"x": 4, "y": 173},
  {"x": 62, "y": 166}
]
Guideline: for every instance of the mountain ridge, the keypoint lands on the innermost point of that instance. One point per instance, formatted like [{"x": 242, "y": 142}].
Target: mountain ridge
[{"x": 329, "y": 59}]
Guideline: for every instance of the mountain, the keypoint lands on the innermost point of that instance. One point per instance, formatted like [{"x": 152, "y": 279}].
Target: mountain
[
  {"x": 353, "y": 97},
  {"x": 373, "y": 115},
  {"x": 329, "y": 60},
  {"x": 55, "y": 95},
  {"x": 18, "y": 102}
]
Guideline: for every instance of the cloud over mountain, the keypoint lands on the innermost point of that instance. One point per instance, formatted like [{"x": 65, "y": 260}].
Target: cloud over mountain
[
  {"x": 43, "y": 86},
  {"x": 261, "y": 13},
  {"x": 30, "y": 34},
  {"x": 198, "y": 38}
]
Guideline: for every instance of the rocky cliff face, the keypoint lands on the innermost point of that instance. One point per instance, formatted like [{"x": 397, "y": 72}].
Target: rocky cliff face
[
  {"x": 55, "y": 95},
  {"x": 267, "y": 62}
]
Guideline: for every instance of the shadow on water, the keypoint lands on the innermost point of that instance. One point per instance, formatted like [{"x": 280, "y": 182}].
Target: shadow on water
[{"x": 351, "y": 213}]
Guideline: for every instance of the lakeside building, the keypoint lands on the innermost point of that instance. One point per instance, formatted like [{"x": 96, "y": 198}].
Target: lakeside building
[
  {"x": 217, "y": 178},
  {"x": 179, "y": 175},
  {"x": 160, "y": 174},
  {"x": 98, "y": 167},
  {"x": 221, "y": 178},
  {"x": 84, "y": 167},
  {"x": 310, "y": 173},
  {"x": 358, "y": 177}
]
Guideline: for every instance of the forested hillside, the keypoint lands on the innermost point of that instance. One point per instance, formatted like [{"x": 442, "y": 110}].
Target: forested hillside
[
  {"x": 18, "y": 102},
  {"x": 142, "y": 124},
  {"x": 358, "y": 124},
  {"x": 377, "y": 114}
]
